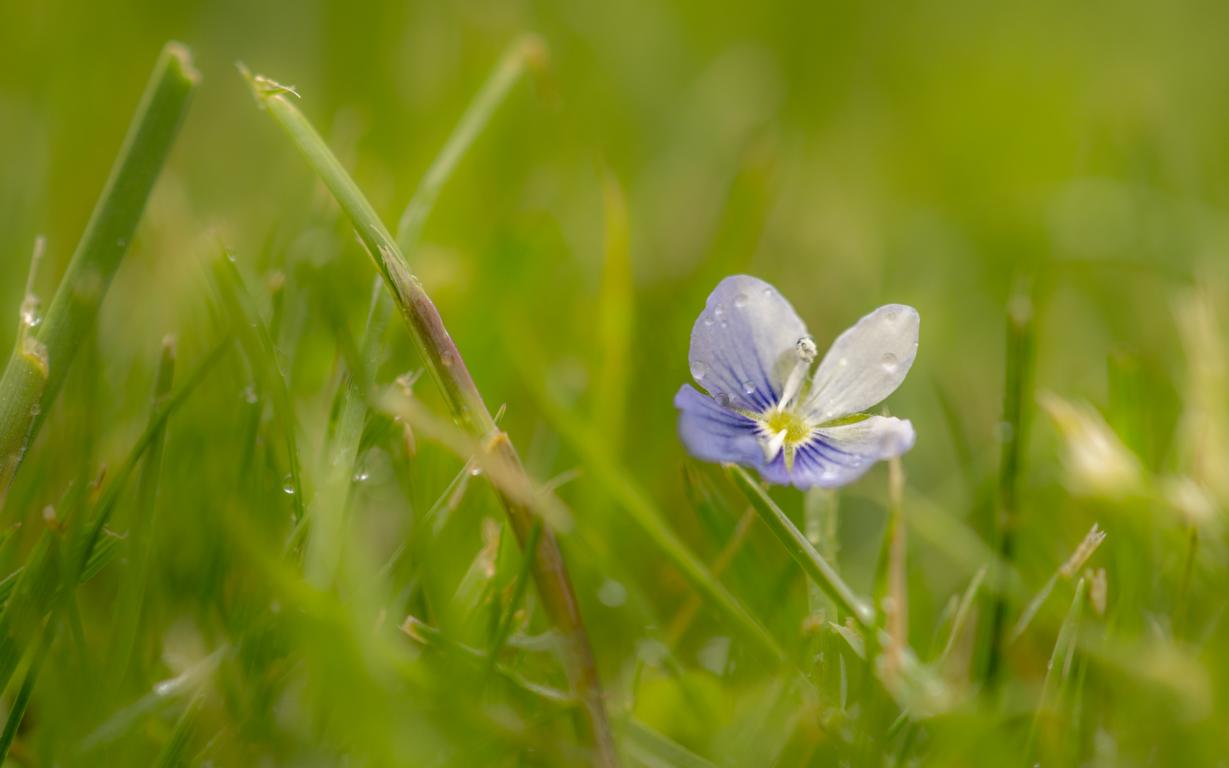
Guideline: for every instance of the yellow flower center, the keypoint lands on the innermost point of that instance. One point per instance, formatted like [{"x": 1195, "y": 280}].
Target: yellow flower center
[{"x": 795, "y": 427}]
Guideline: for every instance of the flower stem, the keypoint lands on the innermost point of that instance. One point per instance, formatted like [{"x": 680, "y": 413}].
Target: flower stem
[
  {"x": 44, "y": 351},
  {"x": 813, "y": 563},
  {"x": 450, "y": 373}
]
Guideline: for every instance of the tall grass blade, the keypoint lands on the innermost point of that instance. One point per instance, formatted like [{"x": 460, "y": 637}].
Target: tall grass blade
[
  {"x": 141, "y": 531},
  {"x": 44, "y": 353},
  {"x": 800, "y": 549},
  {"x": 444, "y": 361},
  {"x": 525, "y": 53},
  {"x": 1016, "y": 397}
]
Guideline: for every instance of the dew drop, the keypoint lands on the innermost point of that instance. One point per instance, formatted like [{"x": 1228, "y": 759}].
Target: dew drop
[
  {"x": 288, "y": 485},
  {"x": 612, "y": 593},
  {"x": 698, "y": 370},
  {"x": 708, "y": 320},
  {"x": 889, "y": 362},
  {"x": 447, "y": 359},
  {"x": 249, "y": 395},
  {"x": 361, "y": 476},
  {"x": 30, "y": 317},
  {"x": 719, "y": 311},
  {"x": 165, "y": 688},
  {"x": 748, "y": 388},
  {"x": 740, "y": 301},
  {"x": 475, "y": 472},
  {"x": 722, "y": 399},
  {"x": 767, "y": 293}
]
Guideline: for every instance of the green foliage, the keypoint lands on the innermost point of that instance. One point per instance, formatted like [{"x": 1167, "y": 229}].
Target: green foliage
[{"x": 270, "y": 543}]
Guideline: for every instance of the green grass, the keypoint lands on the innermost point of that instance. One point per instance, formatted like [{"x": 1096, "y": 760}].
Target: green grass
[{"x": 283, "y": 484}]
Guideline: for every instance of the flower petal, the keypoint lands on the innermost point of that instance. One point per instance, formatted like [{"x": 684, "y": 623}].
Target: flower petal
[
  {"x": 836, "y": 456},
  {"x": 741, "y": 341},
  {"x": 865, "y": 364},
  {"x": 714, "y": 433}
]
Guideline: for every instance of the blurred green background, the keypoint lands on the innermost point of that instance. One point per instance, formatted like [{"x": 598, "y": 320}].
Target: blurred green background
[{"x": 945, "y": 155}]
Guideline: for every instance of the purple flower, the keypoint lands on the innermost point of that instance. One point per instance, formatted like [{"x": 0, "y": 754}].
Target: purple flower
[{"x": 766, "y": 409}]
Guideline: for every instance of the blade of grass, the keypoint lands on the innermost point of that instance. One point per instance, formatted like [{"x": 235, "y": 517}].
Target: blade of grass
[
  {"x": 1016, "y": 394},
  {"x": 105, "y": 504},
  {"x": 444, "y": 361},
  {"x": 173, "y": 753},
  {"x": 604, "y": 469},
  {"x": 525, "y": 53},
  {"x": 33, "y": 597},
  {"x": 326, "y": 515},
  {"x": 518, "y": 592},
  {"x": 43, "y": 354},
  {"x": 257, "y": 344},
  {"x": 654, "y": 750},
  {"x": 686, "y": 615},
  {"x": 140, "y": 532},
  {"x": 1068, "y": 570},
  {"x": 22, "y": 701},
  {"x": 812, "y": 563},
  {"x": 1061, "y": 657},
  {"x": 427, "y": 635},
  {"x": 962, "y": 614}
]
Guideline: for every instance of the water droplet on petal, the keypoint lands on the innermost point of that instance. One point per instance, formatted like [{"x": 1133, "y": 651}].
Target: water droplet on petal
[
  {"x": 722, "y": 399},
  {"x": 748, "y": 388},
  {"x": 889, "y": 362},
  {"x": 767, "y": 293},
  {"x": 698, "y": 370},
  {"x": 740, "y": 301},
  {"x": 719, "y": 311},
  {"x": 708, "y": 320}
]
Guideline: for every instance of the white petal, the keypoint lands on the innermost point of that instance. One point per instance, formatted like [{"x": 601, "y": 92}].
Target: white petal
[
  {"x": 865, "y": 364},
  {"x": 743, "y": 342}
]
